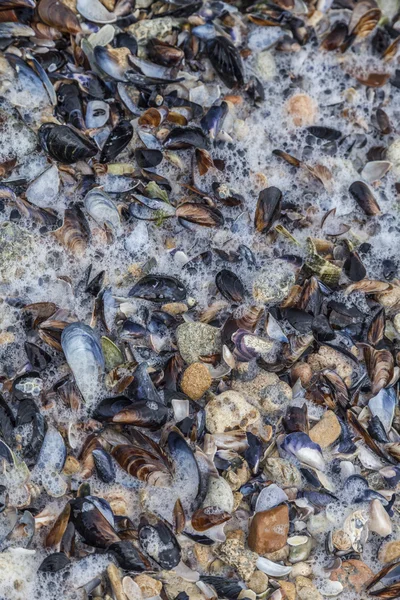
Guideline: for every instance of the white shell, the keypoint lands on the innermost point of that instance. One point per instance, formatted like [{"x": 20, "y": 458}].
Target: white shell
[
  {"x": 379, "y": 520},
  {"x": 272, "y": 569},
  {"x": 93, "y": 10},
  {"x": 270, "y": 497}
]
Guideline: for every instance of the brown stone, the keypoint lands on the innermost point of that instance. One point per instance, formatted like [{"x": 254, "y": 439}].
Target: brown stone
[
  {"x": 258, "y": 582},
  {"x": 389, "y": 551},
  {"x": 288, "y": 589},
  {"x": 269, "y": 530},
  {"x": 353, "y": 574},
  {"x": 196, "y": 380},
  {"x": 149, "y": 587},
  {"x": 327, "y": 430}
]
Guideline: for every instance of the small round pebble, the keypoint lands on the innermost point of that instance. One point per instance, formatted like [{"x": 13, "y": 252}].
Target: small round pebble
[
  {"x": 258, "y": 582},
  {"x": 196, "y": 380}
]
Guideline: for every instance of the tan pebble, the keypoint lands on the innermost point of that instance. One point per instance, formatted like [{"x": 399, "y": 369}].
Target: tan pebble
[
  {"x": 278, "y": 555},
  {"x": 341, "y": 540},
  {"x": 258, "y": 582},
  {"x": 328, "y": 358},
  {"x": 301, "y": 371},
  {"x": 236, "y": 534},
  {"x": 261, "y": 180},
  {"x": 71, "y": 466},
  {"x": 204, "y": 556},
  {"x": 238, "y": 476},
  {"x": 150, "y": 587},
  {"x": 228, "y": 411},
  {"x": 300, "y": 569},
  {"x": 327, "y": 430},
  {"x": 196, "y": 380},
  {"x": 237, "y": 499},
  {"x": 289, "y": 590},
  {"x": 174, "y": 308},
  {"x": 389, "y": 551},
  {"x": 6, "y": 337},
  {"x": 306, "y": 590},
  {"x": 303, "y": 110},
  {"x": 247, "y": 594},
  {"x": 135, "y": 270}
]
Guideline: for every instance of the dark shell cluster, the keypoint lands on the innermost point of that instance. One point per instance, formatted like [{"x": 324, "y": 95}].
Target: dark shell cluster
[{"x": 199, "y": 299}]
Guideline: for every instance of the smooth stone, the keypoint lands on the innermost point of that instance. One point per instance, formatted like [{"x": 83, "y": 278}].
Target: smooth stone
[
  {"x": 393, "y": 155},
  {"x": 389, "y": 551},
  {"x": 219, "y": 493},
  {"x": 273, "y": 285},
  {"x": 269, "y": 497},
  {"x": 269, "y": 530},
  {"x": 379, "y": 521},
  {"x": 149, "y": 587},
  {"x": 229, "y": 410},
  {"x": 303, "y": 110},
  {"x": 265, "y": 65},
  {"x": 353, "y": 574},
  {"x": 306, "y": 590},
  {"x": 301, "y": 569},
  {"x": 197, "y": 339},
  {"x": 328, "y": 358},
  {"x": 258, "y": 582},
  {"x": 244, "y": 561},
  {"x": 327, "y": 430},
  {"x": 196, "y": 380},
  {"x": 289, "y": 589}
]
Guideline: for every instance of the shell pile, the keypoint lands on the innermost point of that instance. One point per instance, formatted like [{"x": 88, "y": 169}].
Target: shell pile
[{"x": 199, "y": 299}]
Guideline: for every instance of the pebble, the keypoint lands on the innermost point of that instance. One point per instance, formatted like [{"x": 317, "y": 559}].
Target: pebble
[
  {"x": 234, "y": 553},
  {"x": 247, "y": 594},
  {"x": 175, "y": 308},
  {"x": 6, "y": 337},
  {"x": 269, "y": 530},
  {"x": 273, "y": 285},
  {"x": 282, "y": 472},
  {"x": 266, "y": 391},
  {"x": 393, "y": 155},
  {"x": 174, "y": 585},
  {"x": 301, "y": 569},
  {"x": 219, "y": 493},
  {"x": 236, "y": 476},
  {"x": 379, "y": 521},
  {"x": 197, "y": 339},
  {"x": 196, "y": 380},
  {"x": 306, "y": 590},
  {"x": 150, "y": 587},
  {"x": 303, "y": 110},
  {"x": 389, "y": 551},
  {"x": 229, "y": 410},
  {"x": 289, "y": 589},
  {"x": 341, "y": 540},
  {"x": 258, "y": 582},
  {"x": 353, "y": 574},
  {"x": 327, "y": 430},
  {"x": 279, "y": 555}
]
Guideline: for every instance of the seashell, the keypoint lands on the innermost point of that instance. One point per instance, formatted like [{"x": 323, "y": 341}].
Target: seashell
[
  {"x": 213, "y": 120},
  {"x": 335, "y": 37},
  {"x": 230, "y": 286},
  {"x": 364, "y": 198},
  {"x": 54, "y": 562},
  {"x": 268, "y": 209},
  {"x": 158, "y": 541},
  {"x": 158, "y": 288},
  {"x": 324, "y": 133},
  {"x": 205, "y": 518},
  {"x": 97, "y": 114},
  {"x": 272, "y": 569},
  {"x": 383, "y": 406},
  {"x": 379, "y": 520},
  {"x": 356, "y": 527},
  {"x": 269, "y": 497},
  {"x": 84, "y": 356},
  {"x": 91, "y": 524},
  {"x": 185, "y": 137},
  {"x": 226, "y": 60},
  {"x": 57, "y": 531},
  {"x": 201, "y": 214},
  {"x": 300, "y": 548},
  {"x": 380, "y": 366},
  {"x": 300, "y": 446},
  {"x": 375, "y": 170},
  {"x": 95, "y": 11},
  {"x": 118, "y": 139},
  {"x": 102, "y": 209},
  {"x": 65, "y": 144},
  {"x": 163, "y": 53},
  {"x": 58, "y": 15}
]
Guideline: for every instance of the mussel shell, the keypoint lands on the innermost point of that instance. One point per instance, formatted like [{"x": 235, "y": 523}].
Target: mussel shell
[
  {"x": 147, "y": 158},
  {"x": 38, "y": 357},
  {"x": 324, "y": 133},
  {"x": 65, "y": 144},
  {"x": 109, "y": 407},
  {"x": 230, "y": 286},
  {"x": 91, "y": 524},
  {"x": 69, "y": 104},
  {"x": 335, "y": 37},
  {"x": 128, "y": 557},
  {"x": 57, "y": 14},
  {"x": 143, "y": 413},
  {"x": 226, "y": 60},
  {"x": 118, "y": 139},
  {"x": 212, "y": 121},
  {"x": 201, "y": 214},
  {"x": 164, "y": 54},
  {"x": 54, "y": 563},
  {"x": 224, "y": 586},
  {"x": 364, "y": 198},
  {"x": 185, "y": 137},
  {"x": 205, "y": 518},
  {"x": 158, "y": 541},
  {"x": 104, "y": 465},
  {"x": 268, "y": 209},
  {"x": 159, "y": 288}
]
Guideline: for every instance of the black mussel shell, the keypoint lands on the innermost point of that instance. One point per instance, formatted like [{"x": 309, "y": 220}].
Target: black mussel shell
[
  {"x": 7, "y": 422},
  {"x": 128, "y": 557},
  {"x": 200, "y": 214},
  {"x": 383, "y": 121},
  {"x": 159, "y": 288},
  {"x": 364, "y": 198},
  {"x": 354, "y": 268},
  {"x": 69, "y": 104},
  {"x": 118, "y": 139},
  {"x": 180, "y": 138},
  {"x": 335, "y": 37},
  {"x": 65, "y": 144},
  {"x": 254, "y": 452},
  {"x": 147, "y": 158},
  {"x": 230, "y": 286},
  {"x": 173, "y": 100},
  {"x": 377, "y": 430},
  {"x": 94, "y": 286},
  {"x": 125, "y": 40},
  {"x": 158, "y": 541},
  {"x": 225, "y": 587},
  {"x": 91, "y": 524},
  {"x": 38, "y": 357},
  {"x": 164, "y": 54},
  {"x": 54, "y": 562},
  {"x": 212, "y": 121},
  {"x": 143, "y": 413},
  {"x": 324, "y": 133},
  {"x": 268, "y": 209},
  {"x": 322, "y": 329},
  {"x": 109, "y": 407},
  {"x": 104, "y": 465},
  {"x": 296, "y": 419},
  {"x": 226, "y": 60},
  {"x": 142, "y": 386}
]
